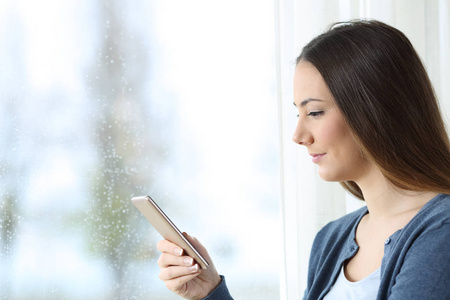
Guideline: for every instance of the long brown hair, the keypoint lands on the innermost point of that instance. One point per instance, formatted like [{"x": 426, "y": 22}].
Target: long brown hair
[{"x": 384, "y": 94}]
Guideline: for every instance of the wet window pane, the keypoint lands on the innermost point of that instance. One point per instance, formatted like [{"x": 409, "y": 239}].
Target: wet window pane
[{"x": 105, "y": 100}]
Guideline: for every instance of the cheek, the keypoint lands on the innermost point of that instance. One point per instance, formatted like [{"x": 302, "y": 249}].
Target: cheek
[
  {"x": 335, "y": 134},
  {"x": 340, "y": 143}
]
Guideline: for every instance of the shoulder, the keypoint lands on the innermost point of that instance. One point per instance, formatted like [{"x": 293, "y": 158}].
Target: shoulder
[
  {"x": 439, "y": 205},
  {"x": 416, "y": 265},
  {"x": 429, "y": 229},
  {"x": 434, "y": 214}
]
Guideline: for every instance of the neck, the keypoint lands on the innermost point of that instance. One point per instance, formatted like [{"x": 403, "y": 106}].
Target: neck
[{"x": 385, "y": 201}]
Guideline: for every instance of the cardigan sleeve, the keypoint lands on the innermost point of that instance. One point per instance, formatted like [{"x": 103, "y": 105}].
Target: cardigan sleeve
[
  {"x": 425, "y": 272},
  {"x": 220, "y": 292}
]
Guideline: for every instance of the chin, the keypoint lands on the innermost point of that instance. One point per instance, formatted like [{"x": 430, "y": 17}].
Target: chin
[{"x": 330, "y": 176}]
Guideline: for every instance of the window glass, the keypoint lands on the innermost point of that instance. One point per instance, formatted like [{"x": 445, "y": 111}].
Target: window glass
[{"x": 105, "y": 100}]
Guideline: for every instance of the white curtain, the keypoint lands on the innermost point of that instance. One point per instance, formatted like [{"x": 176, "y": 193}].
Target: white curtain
[{"x": 308, "y": 203}]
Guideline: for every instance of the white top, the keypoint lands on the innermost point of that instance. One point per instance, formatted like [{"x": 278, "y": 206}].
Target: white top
[{"x": 365, "y": 289}]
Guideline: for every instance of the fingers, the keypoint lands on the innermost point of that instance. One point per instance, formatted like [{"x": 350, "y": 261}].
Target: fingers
[
  {"x": 178, "y": 284},
  {"x": 167, "y": 247},
  {"x": 176, "y": 272},
  {"x": 182, "y": 275},
  {"x": 172, "y": 255},
  {"x": 167, "y": 260},
  {"x": 173, "y": 264}
]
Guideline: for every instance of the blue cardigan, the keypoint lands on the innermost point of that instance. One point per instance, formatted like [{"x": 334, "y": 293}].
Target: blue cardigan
[{"x": 415, "y": 265}]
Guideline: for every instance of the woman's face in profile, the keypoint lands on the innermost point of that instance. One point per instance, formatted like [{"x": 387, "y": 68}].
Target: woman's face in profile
[{"x": 321, "y": 129}]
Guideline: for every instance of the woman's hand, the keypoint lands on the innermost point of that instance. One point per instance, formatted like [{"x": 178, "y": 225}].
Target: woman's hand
[{"x": 182, "y": 275}]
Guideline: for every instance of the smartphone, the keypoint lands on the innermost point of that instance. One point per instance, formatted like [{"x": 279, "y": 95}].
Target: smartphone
[{"x": 166, "y": 227}]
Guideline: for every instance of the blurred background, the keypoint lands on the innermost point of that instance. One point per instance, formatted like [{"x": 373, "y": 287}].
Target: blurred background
[{"x": 104, "y": 100}]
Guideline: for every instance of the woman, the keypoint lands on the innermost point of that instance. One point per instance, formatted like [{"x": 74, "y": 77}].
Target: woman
[{"x": 369, "y": 118}]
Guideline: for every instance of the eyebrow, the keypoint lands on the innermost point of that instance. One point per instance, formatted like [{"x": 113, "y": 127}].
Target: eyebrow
[{"x": 306, "y": 101}]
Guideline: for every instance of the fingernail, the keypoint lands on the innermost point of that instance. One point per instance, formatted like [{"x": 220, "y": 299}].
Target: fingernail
[
  {"x": 188, "y": 261},
  {"x": 194, "y": 268},
  {"x": 178, "y": 251}
]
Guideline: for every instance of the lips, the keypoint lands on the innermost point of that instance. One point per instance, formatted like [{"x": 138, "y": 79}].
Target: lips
[{"x": 317, "y": 157}]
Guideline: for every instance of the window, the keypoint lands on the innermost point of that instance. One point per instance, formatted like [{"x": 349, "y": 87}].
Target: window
[{"x": 105, "y": 100}]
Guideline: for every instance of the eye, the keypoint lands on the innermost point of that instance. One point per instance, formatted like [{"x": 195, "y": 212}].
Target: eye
[{"x": 315, "y": 114}]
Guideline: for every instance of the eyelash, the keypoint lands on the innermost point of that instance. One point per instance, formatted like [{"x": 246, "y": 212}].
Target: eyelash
[{"x": 315, "y": 114}]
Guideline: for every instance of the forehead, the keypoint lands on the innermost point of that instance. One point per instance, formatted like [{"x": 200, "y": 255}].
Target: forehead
[{"x": 308, "y": 83}]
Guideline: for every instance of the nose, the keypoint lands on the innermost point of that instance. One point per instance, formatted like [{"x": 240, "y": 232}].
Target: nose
[{"x": 302, "y": 136}]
